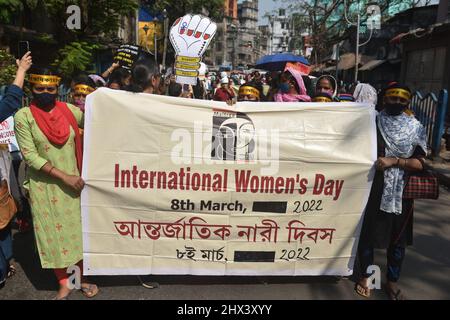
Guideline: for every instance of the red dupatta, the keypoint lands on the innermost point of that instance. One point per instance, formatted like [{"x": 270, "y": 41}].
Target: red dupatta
[{"x": 56, "y": 127}]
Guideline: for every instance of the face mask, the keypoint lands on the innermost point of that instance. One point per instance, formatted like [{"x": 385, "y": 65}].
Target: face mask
[
  {"x": 284, "y": 87},
  {"x": 395, "y": 109},
  {"x": 44, "y": 99},
  {"x": 330, "y": 92},
  {"x": 79, "y": 103}
]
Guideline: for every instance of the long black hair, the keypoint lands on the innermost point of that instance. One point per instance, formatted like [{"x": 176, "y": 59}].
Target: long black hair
[{"x": 118, "y": 76}]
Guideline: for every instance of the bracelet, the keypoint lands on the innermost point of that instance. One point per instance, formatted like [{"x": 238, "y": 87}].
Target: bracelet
[
  {"x": 398, "y": 162},
  {"x": 50, "y": 172}
]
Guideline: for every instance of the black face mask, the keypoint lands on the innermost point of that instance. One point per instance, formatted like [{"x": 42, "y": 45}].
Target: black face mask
[
  {"x": 395, "y": 109},
  {"x": 44, "y": 99}
]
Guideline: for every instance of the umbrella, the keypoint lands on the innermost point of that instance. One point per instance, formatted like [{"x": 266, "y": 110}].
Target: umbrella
[{"x": 277, "y": 62}]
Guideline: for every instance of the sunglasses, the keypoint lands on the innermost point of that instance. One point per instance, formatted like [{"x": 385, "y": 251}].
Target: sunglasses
[{"x": 41, "y": 89}]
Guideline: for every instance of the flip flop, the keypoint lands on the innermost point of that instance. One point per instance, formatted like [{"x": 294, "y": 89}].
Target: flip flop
[
  {"x": 397, "y": 295},
  {"x": 362, "y": 290},
  {"x": 11, "y": 271},
  {"x": 89, "y": 291},
  {"x": 148, "y": 285}
]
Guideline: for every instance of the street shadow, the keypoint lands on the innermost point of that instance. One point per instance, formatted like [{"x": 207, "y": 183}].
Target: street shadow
[
  {"x": 25, "y": 254},
  {"x": 112, "y": 281}
]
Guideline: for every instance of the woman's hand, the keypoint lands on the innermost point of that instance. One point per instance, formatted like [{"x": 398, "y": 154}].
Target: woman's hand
[
  {"x": 75, "y": 182},
  {"x": 384, "y": 163},
  {"x": 24, "y": 64}
]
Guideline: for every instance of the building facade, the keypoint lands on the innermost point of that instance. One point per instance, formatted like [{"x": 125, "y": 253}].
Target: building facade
[
  {"x": 247, "y": 45},
  {"x": 220, "y": 53},
  {"x": 280, "y": 32}
]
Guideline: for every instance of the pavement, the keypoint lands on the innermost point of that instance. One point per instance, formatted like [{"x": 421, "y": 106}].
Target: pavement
[
  {"x": 441, "y": 167},
  {"x": 425, "y": 273}
]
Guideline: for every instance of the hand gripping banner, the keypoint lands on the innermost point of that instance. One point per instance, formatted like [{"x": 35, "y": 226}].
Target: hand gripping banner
[{"x": 183, "y": 186}]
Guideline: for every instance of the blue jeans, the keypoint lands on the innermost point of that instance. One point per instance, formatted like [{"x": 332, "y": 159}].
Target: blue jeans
[
  {"x": 395, "y": 256},
  {"x": 5, "y": 252}
]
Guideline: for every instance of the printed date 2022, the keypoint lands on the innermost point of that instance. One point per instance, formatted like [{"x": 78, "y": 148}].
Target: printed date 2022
[
  {"x": 308, "y": 206},
  {"x": 299, "y": 254}
]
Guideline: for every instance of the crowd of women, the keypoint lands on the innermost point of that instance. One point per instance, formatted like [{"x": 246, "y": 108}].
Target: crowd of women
[{"x": 49, "y": 133}]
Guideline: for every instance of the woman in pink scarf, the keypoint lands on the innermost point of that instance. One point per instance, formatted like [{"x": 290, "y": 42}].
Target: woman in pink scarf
[{"x": 291, "y": 87}]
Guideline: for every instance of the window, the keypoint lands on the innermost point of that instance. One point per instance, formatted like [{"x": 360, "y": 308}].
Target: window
[{"x": 282, "y": 12}]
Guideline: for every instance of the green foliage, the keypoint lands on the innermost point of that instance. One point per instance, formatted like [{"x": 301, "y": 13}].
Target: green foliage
[
  {"x": 75, "y": 56},
  {"x": 98, "y": 17},
  {"x": 176, "y": 8},
  {"x": 8, "y": 8},
  {"x": 104, "y": 15},
  {"x": 325, "y": 19},
  {"x": 8, "y": 68}
]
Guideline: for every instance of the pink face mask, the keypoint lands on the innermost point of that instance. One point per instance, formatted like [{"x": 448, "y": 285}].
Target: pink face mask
[{"x": 79, "y": 103}]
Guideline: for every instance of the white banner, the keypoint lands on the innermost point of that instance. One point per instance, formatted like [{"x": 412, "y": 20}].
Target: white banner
[
  {"x": 7, "y": 135},
  {"x": 182, "y": 186}
]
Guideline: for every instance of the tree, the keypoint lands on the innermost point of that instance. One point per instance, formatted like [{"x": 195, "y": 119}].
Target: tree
[
  {"x": 100, "y": 18},
  {"x": 7, "y": 9},
  {"x": 75, "y": 56},
  {"x": 8, "y": 68},
  {"x": 176, "y": 8},
  {"x": 325, "y": 19}
]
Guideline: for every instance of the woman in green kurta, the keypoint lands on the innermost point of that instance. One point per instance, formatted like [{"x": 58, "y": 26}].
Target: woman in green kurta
[{"x": 52, "y": 150}]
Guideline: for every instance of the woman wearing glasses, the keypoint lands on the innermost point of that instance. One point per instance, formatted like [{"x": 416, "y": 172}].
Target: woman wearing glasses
[{"x": 48, "y": 136}]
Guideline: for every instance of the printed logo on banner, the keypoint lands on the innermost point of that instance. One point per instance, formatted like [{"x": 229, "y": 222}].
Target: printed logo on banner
[{"x": 232, "y": 136}]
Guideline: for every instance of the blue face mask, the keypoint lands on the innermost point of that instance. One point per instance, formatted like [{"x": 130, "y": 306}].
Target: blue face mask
[{"x": 284, "y": 87}]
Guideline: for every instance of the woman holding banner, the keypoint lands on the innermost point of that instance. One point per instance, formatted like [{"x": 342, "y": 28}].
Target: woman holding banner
[
  {"x": 388, "y": 219},
  {"x": 48, "y": 136}
]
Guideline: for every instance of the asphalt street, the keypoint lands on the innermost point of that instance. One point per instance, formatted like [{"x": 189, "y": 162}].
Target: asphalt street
[{"x": 426, "y": 273}]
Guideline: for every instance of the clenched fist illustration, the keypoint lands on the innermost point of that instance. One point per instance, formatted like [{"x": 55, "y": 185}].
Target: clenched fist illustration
[{"x": 190, "y": 37}]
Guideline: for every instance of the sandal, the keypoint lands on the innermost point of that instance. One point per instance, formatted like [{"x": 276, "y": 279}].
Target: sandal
[
  {"x": 362, "y": 290},
  {"x": 395, "y": 294},
  {"x": 148, "y": 285},
  {"x": 89, "y": 290},
  {"x": 11, "y": 271}
]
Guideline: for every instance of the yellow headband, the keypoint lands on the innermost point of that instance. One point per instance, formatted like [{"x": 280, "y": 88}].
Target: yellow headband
[
  {"x": 84, "y": 89},
  {"x": 44, "y": 79},
  {"x": 398, "y": 92},
  {"x": 245, "y": 90},
  {"x": 322, "y": 99}
]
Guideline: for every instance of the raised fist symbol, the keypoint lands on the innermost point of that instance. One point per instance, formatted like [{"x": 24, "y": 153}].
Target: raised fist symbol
[{"x": 190, "y": 37}]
